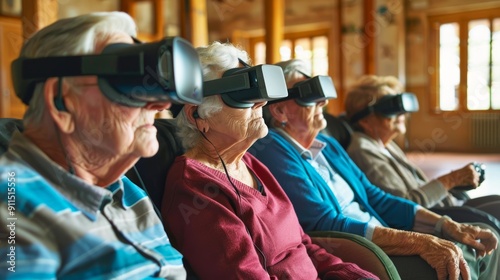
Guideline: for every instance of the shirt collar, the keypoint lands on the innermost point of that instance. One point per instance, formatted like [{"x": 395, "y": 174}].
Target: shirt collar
[
  {"x": 313, "y": 152},
  {"x": 86, "y": 197}
]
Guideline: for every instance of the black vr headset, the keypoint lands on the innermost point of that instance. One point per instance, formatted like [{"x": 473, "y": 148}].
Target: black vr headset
[
  {"x": 389, "y": 106},
  {"x": 128, "y": 74},
  {"x": 243, "y": 87},
  {"x": 309, "y": 92}
]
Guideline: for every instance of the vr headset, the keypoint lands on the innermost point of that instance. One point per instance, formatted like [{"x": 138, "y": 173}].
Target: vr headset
[
  {"x": 243, "y": 87},
  {"x": 309, "y": 92},
  {"x": 128, "y": 74},
  {"x": 389, "y": 106}
]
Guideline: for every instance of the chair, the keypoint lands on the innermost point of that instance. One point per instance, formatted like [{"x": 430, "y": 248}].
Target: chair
[
  {"x": 467, "y": 214},
  {"x": 7, "y": 128},
  {"x": 356, "y": 249},
  {"x": 339, "y": 128},
  {"x": 150, "y": 173}
]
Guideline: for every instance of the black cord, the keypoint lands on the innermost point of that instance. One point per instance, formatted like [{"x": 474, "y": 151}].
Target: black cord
[
  {"x": 223, "y": 164},
  {"x": 264, "y": 260},
  {"x": 244, "y": 63}
]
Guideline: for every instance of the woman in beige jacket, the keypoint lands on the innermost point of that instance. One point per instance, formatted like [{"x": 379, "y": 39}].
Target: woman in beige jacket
[{"x": 372, "y": 148}]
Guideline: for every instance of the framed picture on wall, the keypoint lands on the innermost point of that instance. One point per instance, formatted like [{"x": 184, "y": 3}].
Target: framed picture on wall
[{"x": 10, "y": 8}]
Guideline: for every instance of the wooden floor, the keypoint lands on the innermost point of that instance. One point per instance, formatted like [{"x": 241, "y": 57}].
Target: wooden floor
[{"x": 437, "y": 164}]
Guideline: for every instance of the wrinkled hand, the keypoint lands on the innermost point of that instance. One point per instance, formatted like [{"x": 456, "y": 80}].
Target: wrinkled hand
[
  {"x": 483, "y": 240},
  {"x": 446, "y": 258},
  {"x": 441, "y": 254},
  {"x": 465, "y": 176}
]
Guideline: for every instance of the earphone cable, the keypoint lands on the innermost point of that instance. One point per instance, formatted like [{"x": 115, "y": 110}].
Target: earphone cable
[{"x": 264, "y": 261}]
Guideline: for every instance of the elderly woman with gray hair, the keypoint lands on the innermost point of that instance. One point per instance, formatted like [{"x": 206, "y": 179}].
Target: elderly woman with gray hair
[
  {"x": 223, "y": 209},
  {"x": 373, "y": 149}
]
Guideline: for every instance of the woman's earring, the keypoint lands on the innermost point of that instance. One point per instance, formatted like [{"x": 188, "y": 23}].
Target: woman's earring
[{"x": 283, "y": 124}]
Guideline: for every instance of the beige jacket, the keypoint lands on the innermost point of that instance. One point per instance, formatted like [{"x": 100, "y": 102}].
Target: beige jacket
[{"x": 394, "y": 173}]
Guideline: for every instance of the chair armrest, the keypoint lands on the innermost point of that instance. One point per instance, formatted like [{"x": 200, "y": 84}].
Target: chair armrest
[{"x": 356, "y": 249}]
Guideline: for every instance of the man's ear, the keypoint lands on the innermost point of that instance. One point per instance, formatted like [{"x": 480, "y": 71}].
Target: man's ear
[
  {"x": 61, "y": 117},
  {"x": 278, "y": 111},
  {"x": 191, "y": 112}
]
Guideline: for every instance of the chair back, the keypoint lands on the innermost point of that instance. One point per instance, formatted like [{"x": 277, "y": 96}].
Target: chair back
[
  {"x": 151, "y": 173},
  {"x": 7, "y": 127},
  {"x": 339, "y": 128}
]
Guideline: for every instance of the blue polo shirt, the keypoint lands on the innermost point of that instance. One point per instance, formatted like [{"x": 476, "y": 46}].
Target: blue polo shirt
[{"x": 56, "y": 225}]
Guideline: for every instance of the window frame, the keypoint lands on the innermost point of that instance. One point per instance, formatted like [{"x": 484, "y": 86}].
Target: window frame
[
  {"x": 462, "y": 19},
  {"x": 294, "y": 36}
]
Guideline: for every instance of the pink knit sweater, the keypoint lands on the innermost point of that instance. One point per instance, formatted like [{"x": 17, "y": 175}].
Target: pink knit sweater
[{"x": 227, "y": 232}]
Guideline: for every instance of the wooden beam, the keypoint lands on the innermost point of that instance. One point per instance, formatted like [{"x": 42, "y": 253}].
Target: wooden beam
[
  {"x": 158, "y": 19},
  {"x": 36, "y": 14},
  {"x": 274, "y": 15},
  {"x": 336, "y": 61},
  {"x": 369, "y": 50},
  {"x": 194, "y": 22},
  {"x": 128, "y": 7}
]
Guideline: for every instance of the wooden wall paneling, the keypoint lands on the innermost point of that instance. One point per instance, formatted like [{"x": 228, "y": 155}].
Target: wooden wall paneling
[
  {"x": 37, "y": 14},
  {"x": 11, "y": 40}
]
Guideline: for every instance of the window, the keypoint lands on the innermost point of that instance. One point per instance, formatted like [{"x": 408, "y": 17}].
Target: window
[
  {"x": 466, "y": 61},
  {"x": 311, "y": 47},
  {"x": 10, "y": 8}
]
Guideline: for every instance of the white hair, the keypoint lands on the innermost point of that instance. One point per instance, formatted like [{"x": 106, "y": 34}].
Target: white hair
[
  {"x": 215, "y": 60},
  {"x": 72, "y": 36},
  {"x": 294, "y": 68}
]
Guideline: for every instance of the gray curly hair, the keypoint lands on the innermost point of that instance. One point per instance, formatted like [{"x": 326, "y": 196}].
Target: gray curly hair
[
  {"x": 292, "y": 70},
  {"x": 215, "y": 59}
]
